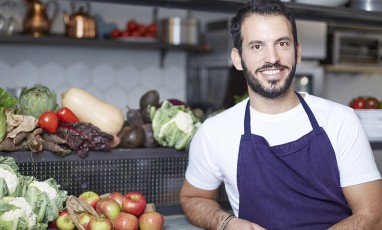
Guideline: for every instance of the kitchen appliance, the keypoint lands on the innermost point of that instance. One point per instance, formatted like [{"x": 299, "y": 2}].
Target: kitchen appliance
[
  {"x": 80, "y": 24},
  {"x": 179, "y": 31},
  {"x": 36, "y": 21},
  {"x": 214, "y": 83},
  {"x": 355, "y": 48}
]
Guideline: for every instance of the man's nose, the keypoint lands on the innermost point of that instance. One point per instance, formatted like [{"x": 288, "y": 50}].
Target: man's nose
[{"x": 272, "y": 55}]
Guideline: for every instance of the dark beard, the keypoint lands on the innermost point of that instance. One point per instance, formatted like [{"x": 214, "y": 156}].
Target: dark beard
[{"x": 273, "y": 92}]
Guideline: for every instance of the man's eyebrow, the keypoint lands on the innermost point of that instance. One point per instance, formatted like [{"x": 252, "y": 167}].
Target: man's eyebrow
[{"x": 285, "y": 38}]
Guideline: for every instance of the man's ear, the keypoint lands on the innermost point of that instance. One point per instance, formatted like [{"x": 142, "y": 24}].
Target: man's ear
[
  {"x": 236, "y": 59},
  {"x": 299, "y": 53}
]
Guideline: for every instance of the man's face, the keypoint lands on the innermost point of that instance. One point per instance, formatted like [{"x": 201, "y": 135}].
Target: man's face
[{"x": 268, "y": 57}]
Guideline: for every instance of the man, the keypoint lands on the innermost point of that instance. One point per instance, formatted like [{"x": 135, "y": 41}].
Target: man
[{"x": 288, "y": 160}]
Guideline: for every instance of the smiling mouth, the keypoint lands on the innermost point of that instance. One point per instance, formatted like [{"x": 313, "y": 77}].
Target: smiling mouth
[{"x": 271, "y": 72}]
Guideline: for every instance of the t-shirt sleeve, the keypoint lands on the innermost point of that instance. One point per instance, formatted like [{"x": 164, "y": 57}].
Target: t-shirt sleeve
[
  {"x": 355, "y": 160},
  {"x": 202, "y": 171}
]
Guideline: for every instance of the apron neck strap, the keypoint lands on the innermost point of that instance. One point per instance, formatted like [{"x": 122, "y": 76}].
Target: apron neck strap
[{"x": 312, "y": 119}]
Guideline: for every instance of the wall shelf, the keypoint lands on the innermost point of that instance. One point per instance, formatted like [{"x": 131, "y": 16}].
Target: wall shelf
[
  {"x": 138, "y": 44},
  {"x": 337, "y": 15}
]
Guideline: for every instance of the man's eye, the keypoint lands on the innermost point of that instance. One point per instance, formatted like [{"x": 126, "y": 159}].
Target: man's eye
[
  {"x": 256, "y": 47},
  {"x": 283, "y": 44}
]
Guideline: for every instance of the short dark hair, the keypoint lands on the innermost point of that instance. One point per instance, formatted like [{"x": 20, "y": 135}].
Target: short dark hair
[{"x": 260, "y": 7}]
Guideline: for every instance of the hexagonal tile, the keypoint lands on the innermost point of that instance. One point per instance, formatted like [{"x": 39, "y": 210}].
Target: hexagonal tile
[
  {"x": 174, "y": 78},
  {"x": 128, "y": 77},
  {"x": 52, "y": 75},
  {"x": 78, "y": 75},
  {"x": 5, "y": 73},
  {"x": 24, "y": 74},
  {"x": 117, "y": 97},
  {"x": 103, "y": 76},
  {"x": 151, "y": 77}
]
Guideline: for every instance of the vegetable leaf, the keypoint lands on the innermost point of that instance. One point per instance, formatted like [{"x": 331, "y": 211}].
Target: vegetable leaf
[{"x": 7, "y": 100}]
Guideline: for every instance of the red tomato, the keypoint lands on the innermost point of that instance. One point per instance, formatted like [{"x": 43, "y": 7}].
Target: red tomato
[
  {"x": 48, "y": 121},
  {"x": 132, "y": 25},
  {"x": 66, "y": 115},
  {"x": 152, "y": 28},
  {"x": 371, "y": 103},
  {"x": 358, "y": 103}
]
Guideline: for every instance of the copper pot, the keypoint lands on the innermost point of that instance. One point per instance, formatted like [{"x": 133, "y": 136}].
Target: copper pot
[
  {"x": 36, "y": 21},
  {"x": 80, "y": 24}
]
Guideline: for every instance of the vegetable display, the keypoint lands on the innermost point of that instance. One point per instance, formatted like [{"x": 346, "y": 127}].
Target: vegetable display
[
  {"x": 27, "y": 203},
  {"x": 173, "y": 126},
  {"x": 90, "y": 109},
  {"x": 6, "y": 101},
  {"x": 36, "y": 100}
]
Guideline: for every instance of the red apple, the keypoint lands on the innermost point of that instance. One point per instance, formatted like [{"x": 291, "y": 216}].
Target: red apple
[
  {"x": 84, "y": 219},
  {"x": 108, "y": 207},
  {"x": 151, "y": 221},
  {"x": 64, "y": 221},
  {"x": 125, "y": 221},
  {"x": 117, "y": 196},
  {"x": 52, "y": 224},
  {"x": 90, "y": 197},
  {"x": 99, "y": 223},
  {"x": 134, "y": 203}
]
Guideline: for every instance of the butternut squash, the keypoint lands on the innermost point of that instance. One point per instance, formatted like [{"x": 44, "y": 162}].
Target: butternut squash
[{"x": 88, "y": 108}]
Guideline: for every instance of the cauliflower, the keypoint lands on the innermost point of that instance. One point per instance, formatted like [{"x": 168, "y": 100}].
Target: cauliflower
[
  {"x": 46, "y": 188},
  {"x": 19, "y": 212},
  {"x": 173, "y": 126},
  {"x": 10, "y": 178}
]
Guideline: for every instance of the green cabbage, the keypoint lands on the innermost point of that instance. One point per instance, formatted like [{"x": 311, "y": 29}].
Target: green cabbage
[
  {"x": 173, "y": 126},
  {"x": 36, "y": 100},
  {"x": 12, "y": 183},
  {"x": 6, "y": 101},
  {"x": 17, "y": 214},
  {"x": 46, "y": 199}
]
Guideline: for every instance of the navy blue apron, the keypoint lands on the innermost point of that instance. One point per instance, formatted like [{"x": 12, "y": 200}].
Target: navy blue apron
[{"x": 290, "y": 186}]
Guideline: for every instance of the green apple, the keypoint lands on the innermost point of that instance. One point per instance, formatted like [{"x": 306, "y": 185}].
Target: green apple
[
  {"x": 90, "y": 197},
  {"x": 64, "y": 221}
]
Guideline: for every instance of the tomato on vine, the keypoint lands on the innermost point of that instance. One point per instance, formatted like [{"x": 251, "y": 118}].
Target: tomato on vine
[{"x": 48, "y": 121}]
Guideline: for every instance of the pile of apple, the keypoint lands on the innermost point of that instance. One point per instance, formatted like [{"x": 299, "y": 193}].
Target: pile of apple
[{"x": 115, "y": 211}]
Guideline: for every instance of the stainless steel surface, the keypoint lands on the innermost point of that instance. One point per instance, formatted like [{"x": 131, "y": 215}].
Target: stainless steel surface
[
  {"x": 179, "y": 31},
  {"x": 368, "y": 5}
]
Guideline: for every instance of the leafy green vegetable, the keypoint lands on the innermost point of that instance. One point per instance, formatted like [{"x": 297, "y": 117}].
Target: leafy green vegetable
[
  {"x": 173, "y": 126},
  {"x": 6, "y": 101},
  {"x": 17, "y": 214},
  {"x": 36, "y": 100},
  {"x": 12, "y": 183},
  {"x": 46, "y": 199}
]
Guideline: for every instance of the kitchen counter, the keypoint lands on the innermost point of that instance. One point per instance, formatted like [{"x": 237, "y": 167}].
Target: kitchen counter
[{"x": 178, "y": 222}]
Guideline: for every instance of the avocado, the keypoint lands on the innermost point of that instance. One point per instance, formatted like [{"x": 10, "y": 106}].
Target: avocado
[
  {"x": 132, "y": 136},
  {"x": 149, "y": 98},
  {"x": 134, "y": 117}
]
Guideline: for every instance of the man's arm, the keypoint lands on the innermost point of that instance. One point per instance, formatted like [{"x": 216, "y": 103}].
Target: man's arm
[
  {"x": 365, "y": 200},
  {"x": 202, "y": 209}
]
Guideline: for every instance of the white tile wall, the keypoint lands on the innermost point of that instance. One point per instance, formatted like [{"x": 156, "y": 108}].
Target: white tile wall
[{"x": 116, "y": 76}]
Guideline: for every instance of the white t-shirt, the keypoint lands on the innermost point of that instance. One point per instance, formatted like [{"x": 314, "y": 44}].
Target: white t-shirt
[{"x": 215, "y": 147}]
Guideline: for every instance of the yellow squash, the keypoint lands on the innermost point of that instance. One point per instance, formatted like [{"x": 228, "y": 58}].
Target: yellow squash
[{"x": 88, "y": 108}]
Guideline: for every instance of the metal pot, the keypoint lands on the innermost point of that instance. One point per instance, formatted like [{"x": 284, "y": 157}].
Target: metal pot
[
  {"x": 80, "y": 24},
  {"x": 368, "y": 5},
  {"x": 179, "y": 31}
]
